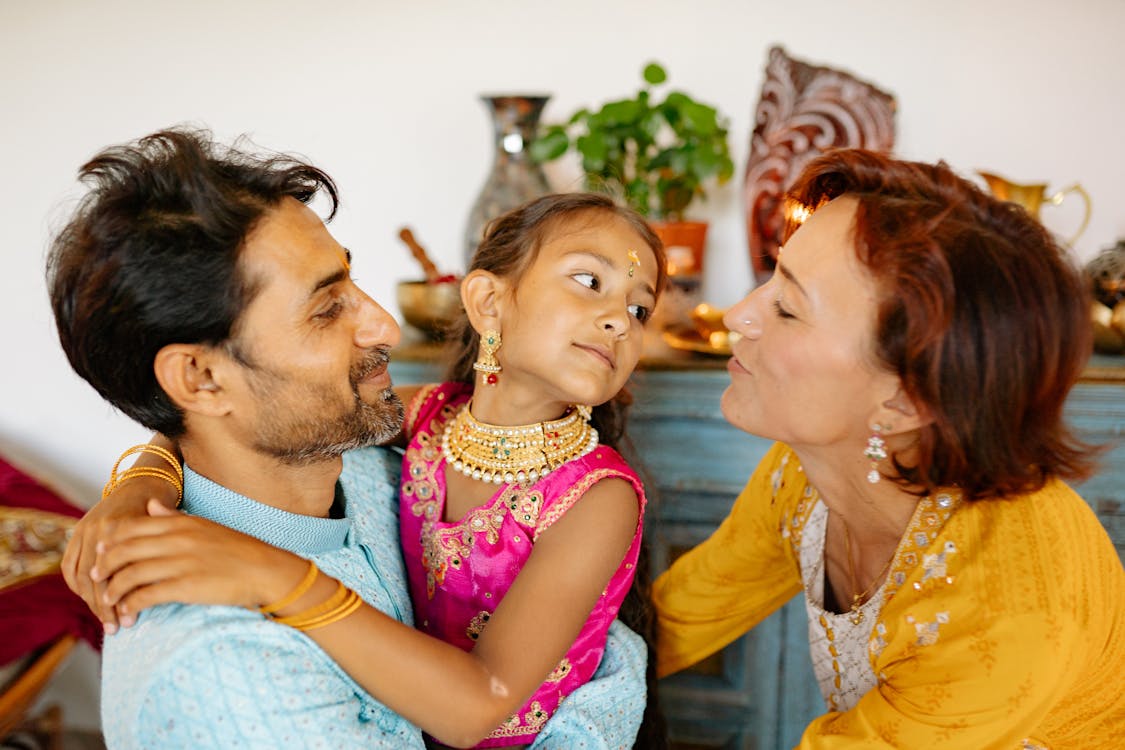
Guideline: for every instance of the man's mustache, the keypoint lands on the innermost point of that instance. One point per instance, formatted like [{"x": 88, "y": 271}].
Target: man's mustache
[{"x": 376, "y": 358}]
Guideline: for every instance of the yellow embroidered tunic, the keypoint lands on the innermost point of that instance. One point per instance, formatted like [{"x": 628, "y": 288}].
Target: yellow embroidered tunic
[{"x": 1003, "y": 623}]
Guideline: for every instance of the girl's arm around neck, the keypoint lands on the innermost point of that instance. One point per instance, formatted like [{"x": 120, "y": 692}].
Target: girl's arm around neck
[{"x": 459, "y": 697}]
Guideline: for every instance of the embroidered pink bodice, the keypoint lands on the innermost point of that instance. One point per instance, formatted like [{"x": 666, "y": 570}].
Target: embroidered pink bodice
[{"x": 459, "y": 571}]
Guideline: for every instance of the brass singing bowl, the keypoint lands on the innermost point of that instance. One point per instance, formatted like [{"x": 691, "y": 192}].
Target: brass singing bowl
[
  {"x": 432, "y": 308},
  {"x": 708, "y": 323}
]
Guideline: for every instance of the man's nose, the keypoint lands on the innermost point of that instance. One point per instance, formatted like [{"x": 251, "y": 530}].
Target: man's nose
[{"x": 376, "y": 327}]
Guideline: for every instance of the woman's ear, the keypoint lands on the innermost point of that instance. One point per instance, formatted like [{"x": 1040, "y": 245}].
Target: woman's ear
[
  {"x": 483, "y": 295},
  {"x": 902, "y": 413},
  {"x": 190, "y": 375}
]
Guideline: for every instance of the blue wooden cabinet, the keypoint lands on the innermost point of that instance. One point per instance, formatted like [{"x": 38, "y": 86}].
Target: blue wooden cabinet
[{"x": 759, "y": 693}]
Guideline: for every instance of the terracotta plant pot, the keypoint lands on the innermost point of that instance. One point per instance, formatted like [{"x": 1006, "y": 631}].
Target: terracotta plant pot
[{"x": 684, "y": 242}]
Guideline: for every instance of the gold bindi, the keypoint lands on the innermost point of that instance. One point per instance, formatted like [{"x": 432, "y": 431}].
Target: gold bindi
[{"x": 634, "y": 261}]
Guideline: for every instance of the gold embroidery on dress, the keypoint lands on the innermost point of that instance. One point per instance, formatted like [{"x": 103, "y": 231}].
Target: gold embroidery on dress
[
  {"x": 533, "y": 721},
  {"x": 559, "y": 672},
  {"x": 476, "y": 625},
  {"x": 571, "y": 496}
]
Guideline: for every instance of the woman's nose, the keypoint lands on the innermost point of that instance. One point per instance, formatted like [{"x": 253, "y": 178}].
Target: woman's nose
[{"x": 746, "y": 316}]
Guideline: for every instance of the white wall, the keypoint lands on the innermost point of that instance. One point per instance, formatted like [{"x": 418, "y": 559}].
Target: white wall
[{"x": 384, "y": 96}]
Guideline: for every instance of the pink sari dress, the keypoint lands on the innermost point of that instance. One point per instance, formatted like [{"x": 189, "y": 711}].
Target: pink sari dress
[{"x": 459, "y": 571}]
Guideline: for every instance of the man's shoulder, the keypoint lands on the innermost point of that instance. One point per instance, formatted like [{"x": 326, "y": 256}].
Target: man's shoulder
[
  {"x": 258, "y": 682},
  {"x": 196, "y": 639}
]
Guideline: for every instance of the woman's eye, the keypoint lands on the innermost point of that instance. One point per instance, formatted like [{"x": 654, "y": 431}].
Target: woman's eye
[
  {"x": 587, "y": 280},
  {"x": 781, "y": 311},
  {"x": 640, "y": 312}
]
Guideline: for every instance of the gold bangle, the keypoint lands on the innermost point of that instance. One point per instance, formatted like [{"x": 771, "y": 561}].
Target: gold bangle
[
  {"x": 351, "y": 604},
  {"x": 328, "y": 605},
  {"x": 302, "y": 587},
  {"x": 156, "y": 450},
  {"x": 116, "y": 480},
  {"x": 338, "y": 606},
  {"x": 174, "y": 477}
]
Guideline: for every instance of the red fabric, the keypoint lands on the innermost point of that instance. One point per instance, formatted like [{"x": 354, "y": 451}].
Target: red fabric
[{"x": 34, "y": 614}]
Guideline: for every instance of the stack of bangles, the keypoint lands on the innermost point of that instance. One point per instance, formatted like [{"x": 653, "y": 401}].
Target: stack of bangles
[
  {"x": 175, "y": 477},
  {"x": 338, "y": 606}
]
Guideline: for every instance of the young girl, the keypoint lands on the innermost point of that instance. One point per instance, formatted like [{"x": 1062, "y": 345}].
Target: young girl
[{"x": 520, "y": 523}]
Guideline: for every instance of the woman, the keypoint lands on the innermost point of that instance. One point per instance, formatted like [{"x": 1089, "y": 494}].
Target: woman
[{"x": 911, "y": 356}]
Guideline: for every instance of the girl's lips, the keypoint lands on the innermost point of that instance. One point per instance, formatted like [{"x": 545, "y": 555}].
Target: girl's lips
[
  {"x": 602, "y": 353},
  {"x": 735, "y": 367}
]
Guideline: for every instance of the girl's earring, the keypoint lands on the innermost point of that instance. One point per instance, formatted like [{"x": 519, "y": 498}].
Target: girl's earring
[
  {"x": 875, "y": 452},
  {"x": 486, "y": 361}
]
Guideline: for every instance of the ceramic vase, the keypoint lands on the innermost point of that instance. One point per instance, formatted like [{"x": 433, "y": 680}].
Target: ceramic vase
[{"x": 515, "y": 177}]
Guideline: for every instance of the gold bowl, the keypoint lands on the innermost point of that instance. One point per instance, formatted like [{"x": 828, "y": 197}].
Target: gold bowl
[
  {"x": 708, "y": 323},
  {"x": 430, "y": 307}
]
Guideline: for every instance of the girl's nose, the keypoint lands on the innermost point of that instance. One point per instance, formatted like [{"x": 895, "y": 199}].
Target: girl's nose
[{"x": 615, "y": 319}]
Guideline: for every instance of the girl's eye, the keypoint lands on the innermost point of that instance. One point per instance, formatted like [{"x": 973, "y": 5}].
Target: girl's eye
[
  {"x": 781, "y": 311},
  {"x": 587, "y": 280},
  {"x": 640, "y": 312}
]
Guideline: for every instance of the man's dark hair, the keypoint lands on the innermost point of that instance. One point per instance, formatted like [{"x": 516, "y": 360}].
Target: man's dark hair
[{"x": 150, "y": 258}]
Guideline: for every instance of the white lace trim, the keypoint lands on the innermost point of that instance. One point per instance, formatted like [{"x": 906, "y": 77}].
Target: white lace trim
[{"x": 846, "y": 675}]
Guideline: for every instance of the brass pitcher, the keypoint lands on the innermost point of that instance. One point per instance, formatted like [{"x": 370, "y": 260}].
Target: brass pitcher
[{"x": 1032, "y": 196}]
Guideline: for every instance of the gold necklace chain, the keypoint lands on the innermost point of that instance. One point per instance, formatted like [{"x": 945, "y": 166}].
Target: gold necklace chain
[
  {"x": 855, "y": 615},
  {"x": 523, "y": 453}
]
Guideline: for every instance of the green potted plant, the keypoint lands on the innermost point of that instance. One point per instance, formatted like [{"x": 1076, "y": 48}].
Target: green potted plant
[{"x": 657, "y": 154}]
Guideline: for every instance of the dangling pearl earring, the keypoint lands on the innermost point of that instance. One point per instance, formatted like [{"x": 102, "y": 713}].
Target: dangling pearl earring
[{"x": 875, "y": 451}]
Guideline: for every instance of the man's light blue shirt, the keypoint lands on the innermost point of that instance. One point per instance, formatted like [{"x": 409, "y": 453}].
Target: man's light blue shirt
[{"x": 224, "y": 677}]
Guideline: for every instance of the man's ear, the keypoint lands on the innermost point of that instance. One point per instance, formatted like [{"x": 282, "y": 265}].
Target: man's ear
[
  {"x": 484, "y": 296},
  {"x": 192, "y": 377}
]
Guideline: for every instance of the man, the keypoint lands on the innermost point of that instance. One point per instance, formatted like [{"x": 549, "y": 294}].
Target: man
[{"x": 198, "y": 293}]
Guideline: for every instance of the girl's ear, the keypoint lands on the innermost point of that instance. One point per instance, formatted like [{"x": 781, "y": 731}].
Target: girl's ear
[
  {"x": 484, "y": 296},
  {"x": 193, "y": 376}
]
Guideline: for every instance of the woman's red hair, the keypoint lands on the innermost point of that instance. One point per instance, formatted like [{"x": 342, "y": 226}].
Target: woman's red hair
[{"x": 982, "y": 315}]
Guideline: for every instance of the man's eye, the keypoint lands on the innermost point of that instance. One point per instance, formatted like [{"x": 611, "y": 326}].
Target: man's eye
[
  {"x": 587, "y": 280},
  {"x": 331, "y": 312},
  {"x": 640, "y": 312}
]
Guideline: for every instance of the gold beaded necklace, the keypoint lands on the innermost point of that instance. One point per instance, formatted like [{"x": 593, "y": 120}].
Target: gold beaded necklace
[{"x": 523, "y": 453}]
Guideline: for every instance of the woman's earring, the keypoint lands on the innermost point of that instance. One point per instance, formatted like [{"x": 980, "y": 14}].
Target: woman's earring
[
  {"x": 875, "y": 452},
  {"x": 486, "y": 361}
]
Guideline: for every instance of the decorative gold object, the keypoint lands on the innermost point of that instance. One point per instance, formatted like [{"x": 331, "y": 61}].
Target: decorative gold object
[
  {"x": 1109, "y": 327},
  {"x": 1034, "y": 195},
  {"x": 519, "y": 453},
  {"x": 431, "y": 308}
]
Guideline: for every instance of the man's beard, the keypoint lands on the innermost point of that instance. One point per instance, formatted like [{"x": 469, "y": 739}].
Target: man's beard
[{"x": 301, "y": 424}]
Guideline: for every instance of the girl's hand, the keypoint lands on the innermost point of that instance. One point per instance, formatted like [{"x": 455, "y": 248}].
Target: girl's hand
[
  {"x": 129, "y": 500},
  {"x": 172, "y": 557}
]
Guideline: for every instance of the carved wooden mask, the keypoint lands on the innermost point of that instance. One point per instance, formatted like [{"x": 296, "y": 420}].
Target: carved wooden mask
[{"x": 803, "y": 111}]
